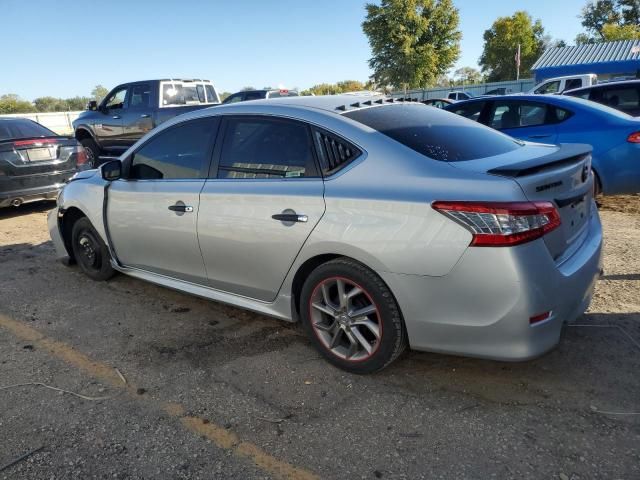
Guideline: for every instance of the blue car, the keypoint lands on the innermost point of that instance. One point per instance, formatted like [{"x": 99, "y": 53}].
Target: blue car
[{"x": 614, "y": 136}]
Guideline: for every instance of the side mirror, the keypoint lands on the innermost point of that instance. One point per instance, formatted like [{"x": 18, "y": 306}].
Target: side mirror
[
  {"x": 111, "y": 170},
  {"x": 92, "y": 105}
]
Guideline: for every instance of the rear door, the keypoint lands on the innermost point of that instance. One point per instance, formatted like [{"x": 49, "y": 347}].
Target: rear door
[
  {"x": 264, "y": 199},
  {"x": 152, "y": 214},
  {"x": 137, "y": 118},
  {"x": 531, "y": 121}
]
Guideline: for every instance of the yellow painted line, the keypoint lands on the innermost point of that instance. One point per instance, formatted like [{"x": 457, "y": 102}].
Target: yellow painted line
[{"x": 222, "y": 437}]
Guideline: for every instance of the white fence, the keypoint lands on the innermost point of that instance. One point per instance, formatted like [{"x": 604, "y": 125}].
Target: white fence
[
  {"x": 514, "y": 86},
  {"x": 59, "y": 122}
]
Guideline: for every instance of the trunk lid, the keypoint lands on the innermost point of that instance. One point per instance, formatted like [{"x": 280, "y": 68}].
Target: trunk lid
[
  {"x": 38, "y": 156},
  {"x": 560, "y": 174}
]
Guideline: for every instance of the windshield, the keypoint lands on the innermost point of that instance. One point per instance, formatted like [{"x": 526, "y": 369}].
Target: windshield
[
  {"x": 435, "y": 133},
  {"x": 21, "y": 128}
]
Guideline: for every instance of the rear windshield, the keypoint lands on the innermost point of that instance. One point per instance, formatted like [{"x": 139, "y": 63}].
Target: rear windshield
[
  {"x": 435, "y": 133},
  {"x": 282, "y": 93},
  {"x": 20, "y": 128},
  {"x": 174, "y": 93}
]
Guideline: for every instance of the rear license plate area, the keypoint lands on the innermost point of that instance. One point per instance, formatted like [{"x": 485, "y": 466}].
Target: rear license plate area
[{"x": 40, "y": 154}]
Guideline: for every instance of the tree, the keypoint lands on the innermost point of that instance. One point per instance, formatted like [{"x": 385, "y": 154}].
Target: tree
[
  {"x": 350, "y": 86},
  {"x": 612, "y": 32},
  {"x": 501, "y": 44},
  {"x": 99, "y": 92},
  {"x": 77, "y": 103},
  {"x": 602, "y": 20},
  {"x": 413, "y": 42},
  {"x": 244, "y": 89},
  {"x": 467, "y": 75},
  {"x": 12, "y": 103},
  {"x": 224, "y": 95}
]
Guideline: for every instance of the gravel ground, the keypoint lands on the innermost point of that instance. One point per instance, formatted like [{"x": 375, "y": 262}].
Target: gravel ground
[{"x": 216, "y": 392}]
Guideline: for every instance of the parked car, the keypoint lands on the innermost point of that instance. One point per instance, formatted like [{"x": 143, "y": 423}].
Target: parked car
[
  {"x": 245, "y": 95},
  {"x": 438, "y": 102},
  {"x": 132, "y": 109},
  {"x": 457, "y": 96},
  {"x": 499, "y": 91},
  {"x": 373, "y": 222},
  {"x": 34, "y": 161},
  {"x": 623, "y": 96},
  {"x": 615, "y": 136},
  {"x": 557, "y": 85}
]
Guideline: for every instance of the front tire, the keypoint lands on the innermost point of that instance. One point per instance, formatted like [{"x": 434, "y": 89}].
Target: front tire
[
  {"x": 352, "y": 317},
  {"x": 90, "y": 252}
]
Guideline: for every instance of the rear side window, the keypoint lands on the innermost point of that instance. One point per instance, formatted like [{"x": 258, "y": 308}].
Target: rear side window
[
  {"x": 581, "y": 94},
  {"x": 19, "y": 128},
  {"x": 573, "y": 83},
  {"x": 180, "y": 152},
  {"x": 266, "y": 148},
  {"x": 140, "y": 95},
  {"x": 513, "y": 114},
  {"x": 435, "y": 133},
  {"x": 471, "y": 111},
  {"x": 334, "y": 152},
  {"x": 212, "y": 96},
  {"x": 623, "y": 98},
  {"x": 254, "y": 95}
]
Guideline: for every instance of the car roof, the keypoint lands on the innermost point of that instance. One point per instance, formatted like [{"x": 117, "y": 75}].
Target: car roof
[{"x": 620, "y": 83}]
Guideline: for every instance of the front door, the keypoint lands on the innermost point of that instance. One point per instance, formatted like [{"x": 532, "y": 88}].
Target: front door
[
  {"x": 108, "y": 126},
  {"x": 138, "y": 118},
  {"x": 259, "y": 210},
  {"x": 152, "y": 214}
]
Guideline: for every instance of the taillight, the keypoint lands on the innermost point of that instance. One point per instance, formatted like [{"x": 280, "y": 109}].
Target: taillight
[
  {"x": 634, "y": 137},
  {"x": 34, "y": 142},
  {"x": 497, "y": 224},
  {"x": 81, "y": 156}
]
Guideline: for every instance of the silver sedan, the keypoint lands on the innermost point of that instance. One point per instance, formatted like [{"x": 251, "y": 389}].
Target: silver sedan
[{"x": 376, "y": 223}]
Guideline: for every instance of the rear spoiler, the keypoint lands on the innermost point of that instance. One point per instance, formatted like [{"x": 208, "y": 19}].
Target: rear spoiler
[{"x": 567, "y": 154}]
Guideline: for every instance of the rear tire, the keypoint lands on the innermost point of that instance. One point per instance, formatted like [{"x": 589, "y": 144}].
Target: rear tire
[
  {"x": 92, "y": 150},
  {"x": 351, "y": 317},
  {"x": 90, "y": 252}
]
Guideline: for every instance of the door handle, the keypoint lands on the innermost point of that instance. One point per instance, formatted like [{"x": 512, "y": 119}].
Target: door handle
[
  {"x": 290, "y": 217},
  {"x": 145, "y": 115},
  {"x": 116, "y": 117},
  {"x": 181, "y": 207},
  {"x": 540, "y": 136}
]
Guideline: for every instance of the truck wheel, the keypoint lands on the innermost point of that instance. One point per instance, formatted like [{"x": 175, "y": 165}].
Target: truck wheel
[{"x": 92, "y": 150}]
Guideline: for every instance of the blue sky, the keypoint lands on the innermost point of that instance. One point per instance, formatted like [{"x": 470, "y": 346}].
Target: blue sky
[{"x": 64, "y": 48}]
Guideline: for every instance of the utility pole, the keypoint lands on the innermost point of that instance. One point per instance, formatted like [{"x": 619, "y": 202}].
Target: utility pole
[{"x": 518, "y": 63}]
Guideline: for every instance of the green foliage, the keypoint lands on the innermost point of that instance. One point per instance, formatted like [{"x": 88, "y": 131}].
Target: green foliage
[
  {"x": 244, "y": 89},
  {"x": 12, "y": 103},
  {"x": 98, "y": 93},
  {"x": 413, "y": 42},
  {"x": 466, "y": 76},
  {"x": 609, "y": 20},
  {"x": 501, "y": 44},
  {"x": 224, "y": 95},
  {"x": 336, "y": 88}
]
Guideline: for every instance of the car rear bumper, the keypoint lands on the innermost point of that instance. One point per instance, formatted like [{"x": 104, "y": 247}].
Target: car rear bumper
[
  {"x": 31, "y": 188},
  {"x": 482, "y": 308}
]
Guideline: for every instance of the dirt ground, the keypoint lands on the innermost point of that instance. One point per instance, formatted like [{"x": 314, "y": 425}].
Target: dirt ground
[{"x": 179, "y": 387}]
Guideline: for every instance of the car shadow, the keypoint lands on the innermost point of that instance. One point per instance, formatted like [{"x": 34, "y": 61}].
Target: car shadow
[{"x": 26, "y": 209}]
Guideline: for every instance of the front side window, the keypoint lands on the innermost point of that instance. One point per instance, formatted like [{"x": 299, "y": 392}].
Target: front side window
[
  {"x": 434, "y": 133},
  {"x": 549, "y": 88},
  {"x": 115, "y": 101},
  {"x": 236, "y": 97},
  {"x": 140, "y": 96},
  {"x": 517, "y": 114},
  {"x": 180, "y": 152},
  {"x": 266, "y": 148}
]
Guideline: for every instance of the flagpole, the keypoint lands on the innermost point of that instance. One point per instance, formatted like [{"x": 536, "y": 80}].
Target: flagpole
[{"x": 518, "y": 64}]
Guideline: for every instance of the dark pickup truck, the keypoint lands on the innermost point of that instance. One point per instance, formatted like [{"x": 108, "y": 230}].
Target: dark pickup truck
[{"x": 132, "y": 109}]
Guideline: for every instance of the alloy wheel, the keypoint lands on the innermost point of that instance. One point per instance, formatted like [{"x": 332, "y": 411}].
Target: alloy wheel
[{"x": 345, "y": 319}]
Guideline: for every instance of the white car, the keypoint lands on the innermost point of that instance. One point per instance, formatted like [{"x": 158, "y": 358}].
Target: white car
[{"x": 557, "y": 85}]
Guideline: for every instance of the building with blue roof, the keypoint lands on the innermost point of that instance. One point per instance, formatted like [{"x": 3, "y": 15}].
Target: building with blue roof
[{"x": 609, "y": 60}]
